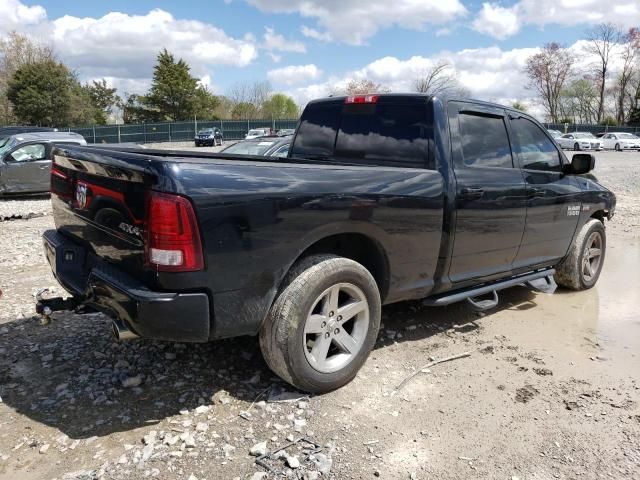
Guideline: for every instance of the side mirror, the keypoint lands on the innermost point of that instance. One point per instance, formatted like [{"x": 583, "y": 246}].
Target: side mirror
[{"x": 581, "y": 163}]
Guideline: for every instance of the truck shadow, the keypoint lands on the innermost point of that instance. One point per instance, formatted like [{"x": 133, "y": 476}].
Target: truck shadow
[{"x": 71, "y": 374}]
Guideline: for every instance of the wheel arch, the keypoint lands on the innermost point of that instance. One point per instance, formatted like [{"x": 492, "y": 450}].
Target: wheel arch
[{"x": 356, "y": 246}]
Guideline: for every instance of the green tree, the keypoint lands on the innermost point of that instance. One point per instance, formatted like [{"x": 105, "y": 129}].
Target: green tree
[
  {"x": 103, "y": 99},
  {"x": 40, "y": 93},
  {"x": 280, "y": 106},
  {"x": 634, "y": 116},
  {"x": 206, "y": 104},
  {"x": 519, "y": 106},
  {"x": 134, "y": 110},
  {"x": 17, "y": 50},
  {"x": 82, "y": 111},
  {"x": 243, "y": 111},
  {"x": 173, "y": 90}
]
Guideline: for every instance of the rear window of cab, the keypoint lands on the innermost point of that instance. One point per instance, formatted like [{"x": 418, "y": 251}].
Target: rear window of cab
[{"x": 394, "y": 133}]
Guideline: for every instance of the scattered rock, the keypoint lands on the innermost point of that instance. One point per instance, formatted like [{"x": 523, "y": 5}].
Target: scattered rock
[
  {"x": 293, "y": 462},
  {"x": 543, "y": 371},
  {"x": 131, "y": 382},
  {"x": 201, "y": 410},
  {"x": 228, "y": 450},
  {"x": 259, "y": 449},
  {"x": 259, "y": 476},
  {"x": 44, "y": 448}
]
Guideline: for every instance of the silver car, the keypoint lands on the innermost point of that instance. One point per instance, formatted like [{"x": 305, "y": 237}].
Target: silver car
[
  {"x": 25, "y": 160},
  {"x": 579, "y": 141}
]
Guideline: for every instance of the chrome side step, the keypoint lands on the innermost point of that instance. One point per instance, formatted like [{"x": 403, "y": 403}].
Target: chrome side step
[{"x": 471, "y": 294}]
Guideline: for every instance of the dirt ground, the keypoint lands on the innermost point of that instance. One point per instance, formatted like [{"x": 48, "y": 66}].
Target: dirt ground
[{"x": 551, "y": 388}]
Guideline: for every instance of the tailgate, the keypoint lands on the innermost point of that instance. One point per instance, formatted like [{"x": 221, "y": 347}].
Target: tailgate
[{"x": 99, "y": 200}]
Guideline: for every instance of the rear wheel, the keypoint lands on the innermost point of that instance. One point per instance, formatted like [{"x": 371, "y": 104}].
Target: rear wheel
[
  {"x": 581, "y": 268},
  {"x": 576, "y": 146},
  {"x": 323, "y": 324}
]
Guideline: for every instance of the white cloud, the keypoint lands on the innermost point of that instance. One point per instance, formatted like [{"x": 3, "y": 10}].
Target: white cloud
[
  {"x": 315, "y": 34},
  {"x": 14, "y": 15},
  {"x": 502, "y": 22},
  {"x": 294, "y": 74},
  {"x": 497, "y": 21},
  {"x": 276, "y": 42},
  {"x": 354, "y": 21},
  {"x": 124, "y": 47},
  {"x": 491, "y": 74}
]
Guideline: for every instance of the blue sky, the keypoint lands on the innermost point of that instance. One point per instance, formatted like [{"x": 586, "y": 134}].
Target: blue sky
[{"x": 304, "y": 47}]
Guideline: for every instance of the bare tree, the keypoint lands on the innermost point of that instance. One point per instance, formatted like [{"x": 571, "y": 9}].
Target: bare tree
[
  {"x": 548, "y": 70},
  {"x": 249, "y": 98},
  {"x": 17, "y": 50},
  {"x": 579, "y": 101},
  {"x": 361, "y": 86},
  {"x": 439, "y": 80},
  {"x": 602, "y": 39},
  {"x": 630, "y": 56}
]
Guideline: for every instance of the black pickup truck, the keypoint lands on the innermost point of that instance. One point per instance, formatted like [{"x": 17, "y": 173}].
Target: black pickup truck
[{"x": 383, "y": 198}]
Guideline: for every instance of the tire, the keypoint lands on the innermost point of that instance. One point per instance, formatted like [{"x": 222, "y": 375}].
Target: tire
[
  {"x": 303, "y": 319},
  {"x": 572, "y": 272},
  {"x": 618, "y": 149},
  {"x": 576, "y": 147}
]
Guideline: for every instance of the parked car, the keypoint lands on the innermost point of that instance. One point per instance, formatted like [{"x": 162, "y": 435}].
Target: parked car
[
  {"x": 579, "y": 141},
  {"x": 257, "y": 132},
  {"x": 209, "y": 137},
  {"x": 383, "y": 198},
  {"x": 621, "y": 141},
  {"x": 285, "y": 132},
  {"x": 555, "y": 133},
  {"x": 267, "y": 146},
  {"x": 25, "y": 160}
]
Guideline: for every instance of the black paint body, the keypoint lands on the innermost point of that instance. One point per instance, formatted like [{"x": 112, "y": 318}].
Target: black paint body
[{"x": 422, "y": 231}]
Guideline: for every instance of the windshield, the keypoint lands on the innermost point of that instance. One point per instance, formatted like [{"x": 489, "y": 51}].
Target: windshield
[
  {"x": 627, "y": 135},
  {"x": 5, "y": 145},
  {"x": 256, "y": 132},
  {"x": 583, "y": 135},
  {"x": 206, "y": 131},
  {"x": 250, "y": 148}
]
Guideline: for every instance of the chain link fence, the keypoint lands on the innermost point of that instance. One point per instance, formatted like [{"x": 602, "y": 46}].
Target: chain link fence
[{"x": 175, "y": 131}]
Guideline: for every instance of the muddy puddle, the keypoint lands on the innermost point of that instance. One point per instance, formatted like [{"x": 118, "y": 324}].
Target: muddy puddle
[{"x": 600, "y": 326}]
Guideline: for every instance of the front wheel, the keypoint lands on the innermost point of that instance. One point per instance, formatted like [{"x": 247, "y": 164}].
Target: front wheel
[
  {"x": 576, "y": 147},
  {"x": 323, "y": 324},
  {"x": 618, "y": 147},
  {"x": 581, "y": 267}
]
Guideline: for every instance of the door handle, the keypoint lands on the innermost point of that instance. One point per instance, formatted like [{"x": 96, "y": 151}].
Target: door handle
[
  {"x": 471, "y": 193},
  {"x": 44, "y": 168},
  {"x": 536, "y": 193}
]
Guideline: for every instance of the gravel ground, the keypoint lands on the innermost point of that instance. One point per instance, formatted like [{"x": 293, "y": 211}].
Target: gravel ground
[{"x": 551, "y": 388}]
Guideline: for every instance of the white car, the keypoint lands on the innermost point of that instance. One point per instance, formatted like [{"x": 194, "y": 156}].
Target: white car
[
  {"x": 579, "y": 141},
  {"x": 621, "y": 141},
  {"x": 554, "y": 133},
  {"x": 256, "y": 133}
]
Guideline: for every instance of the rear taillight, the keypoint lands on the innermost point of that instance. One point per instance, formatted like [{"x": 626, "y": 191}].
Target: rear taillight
[
  {"x": 173, "y": 239},
  {"x": 361, "y": 99}
]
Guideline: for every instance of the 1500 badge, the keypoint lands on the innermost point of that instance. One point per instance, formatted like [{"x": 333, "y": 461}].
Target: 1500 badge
[{"x": 573, "y": 210}]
